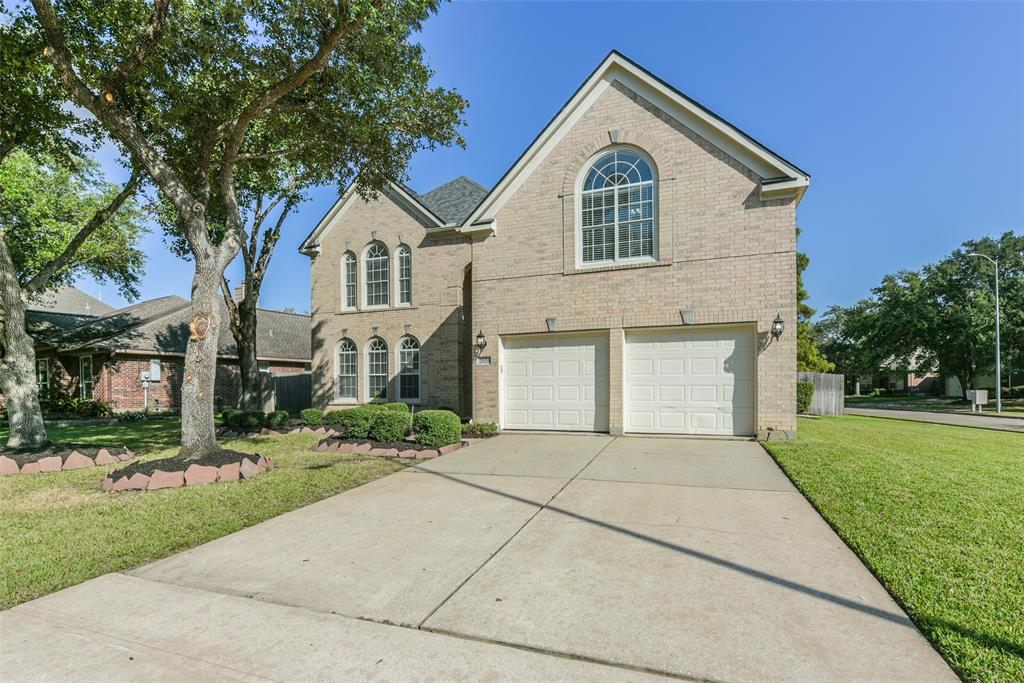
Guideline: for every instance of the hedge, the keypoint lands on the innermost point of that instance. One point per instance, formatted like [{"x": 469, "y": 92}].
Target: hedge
[
  {"x": 356, "y": 421},
  {"x": 333, "y": 417},
  {"x": 804, "y": 394},
  {"x": 437, "y": 427},
  {"x": 480, "y": 428},
  {"x": 312, "y": 417},
  {"x": 389, "y": 425},
  {"x": 277, "y": 419},
  {"x": 254, "y": 419},
  {"x": 400, "y": 407}
]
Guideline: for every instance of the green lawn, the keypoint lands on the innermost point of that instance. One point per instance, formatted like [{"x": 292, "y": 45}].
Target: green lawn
[
  {"x": 60, "y": 529},
  {"x": 937, "y": 513},
  {"x": 1012, "y": 407}
]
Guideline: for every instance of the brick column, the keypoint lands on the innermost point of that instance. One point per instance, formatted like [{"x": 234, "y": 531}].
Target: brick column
[{"x": 616, "y": 376}]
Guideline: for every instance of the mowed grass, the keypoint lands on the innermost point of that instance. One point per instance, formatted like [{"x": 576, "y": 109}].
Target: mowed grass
[
  {"x": 60, "y": 529},
  {"x": 937, "y": 513}
]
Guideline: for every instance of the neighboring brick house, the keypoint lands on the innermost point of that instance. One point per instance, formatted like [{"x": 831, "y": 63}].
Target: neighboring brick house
[
  {"x": 623, "y": 276},
  {"x": 88, "y": 349}
]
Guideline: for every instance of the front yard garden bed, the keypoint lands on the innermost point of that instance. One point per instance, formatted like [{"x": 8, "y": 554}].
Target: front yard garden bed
[
  {"x": 60, "y": 456},
  {"x": 384, "y": 449},
  {"x": 169, "y": 473}
]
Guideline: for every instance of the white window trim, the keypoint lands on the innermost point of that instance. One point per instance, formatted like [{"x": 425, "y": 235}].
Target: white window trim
[
  {"x": 364, "y": 299},
  {"x": 92, "y": 377},
  {"x": 344, "y": 281},
  {"x": 655, "y": 210},
  {"x": 387, "y": 379},
  {"x": 338, "y": 398},
  {"x": 398, "y": 373},
  {"x": 46, "y": 364},
  {"x": 398, "y": 277}
]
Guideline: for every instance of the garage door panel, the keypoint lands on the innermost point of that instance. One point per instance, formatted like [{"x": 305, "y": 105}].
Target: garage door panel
[
  {"x": 565, "y": 380},
  {"x": 703, "y": 381}
]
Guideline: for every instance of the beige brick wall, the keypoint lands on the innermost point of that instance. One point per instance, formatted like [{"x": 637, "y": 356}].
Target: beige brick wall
[
  {"x": 434, "y": 318},
  {"x": 723, "y": 253}
]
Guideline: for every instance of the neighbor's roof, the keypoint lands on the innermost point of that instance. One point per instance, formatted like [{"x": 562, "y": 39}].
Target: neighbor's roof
[
  {"x": 161, "y": 326},
  {"x": 70, "y": 301}
]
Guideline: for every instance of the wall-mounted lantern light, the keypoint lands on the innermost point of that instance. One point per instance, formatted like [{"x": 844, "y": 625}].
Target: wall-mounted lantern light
[
  {"x": 481, "y": 341},
  {"x": 778, "y": 326}
]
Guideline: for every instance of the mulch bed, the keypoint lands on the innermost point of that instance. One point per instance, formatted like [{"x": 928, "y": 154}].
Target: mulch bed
[
  {"x": 174, "y": 472},
  {"x": 60, "y": 456},
  {"x": 384, "y": 449}
]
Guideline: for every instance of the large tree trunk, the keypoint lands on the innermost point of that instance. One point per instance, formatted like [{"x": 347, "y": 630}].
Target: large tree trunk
[
  {"x": 198, "y": 433},
  {"x": 251, "y": 397},
  {"x": 18, "y": 363}
]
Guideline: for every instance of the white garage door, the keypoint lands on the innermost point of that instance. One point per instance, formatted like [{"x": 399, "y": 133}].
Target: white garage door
[
  {"x": 690, "y": 382},
  {"x": 556, "y": 383}
]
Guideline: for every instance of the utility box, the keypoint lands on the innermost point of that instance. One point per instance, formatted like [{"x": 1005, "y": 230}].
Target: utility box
[{"x": 978, "y": 398}]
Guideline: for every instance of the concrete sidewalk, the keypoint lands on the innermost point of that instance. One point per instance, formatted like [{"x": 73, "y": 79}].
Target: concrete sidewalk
[
  {"x": 1008, "y": 424},
  {"x": 524, "y": 557}
]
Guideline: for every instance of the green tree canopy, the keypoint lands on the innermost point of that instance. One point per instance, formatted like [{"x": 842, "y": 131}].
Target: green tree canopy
[{"x": 809, "y": 357}]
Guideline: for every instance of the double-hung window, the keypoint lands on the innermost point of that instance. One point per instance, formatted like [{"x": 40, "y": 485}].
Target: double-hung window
[
  {"x": 348, "y": 274},
  {"x": 409, "y": 370},
  {"x": 404, "y": 275},
  {"x": 617, "y": 221},
  {"x": 377, "y": 370},
  {"x": 42, "y": 374},
  {"x": 376, "y": 275},
  {"x": 345, "y": 388},
  {"x": 85, "y": 380}
]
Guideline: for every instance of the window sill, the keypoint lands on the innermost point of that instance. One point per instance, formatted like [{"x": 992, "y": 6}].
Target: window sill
[{"x": 624, "y": 265}]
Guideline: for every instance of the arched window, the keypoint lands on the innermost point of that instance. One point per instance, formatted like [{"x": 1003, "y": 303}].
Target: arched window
[
  {"x": 376, "y": 275},
  {"x": 409, "y": 370},
  {"x": 617, "y": 209},
  {"x": 404, "y": 275},
  {"x": 377, "y": 370},
  {"x": 348, "y": 275},
  {"x": 345, "y": 386}
]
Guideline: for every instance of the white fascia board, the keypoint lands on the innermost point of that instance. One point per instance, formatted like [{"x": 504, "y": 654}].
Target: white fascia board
[
  {"x": 616, "y": 68},
  {"x": 311, "y": 245}
]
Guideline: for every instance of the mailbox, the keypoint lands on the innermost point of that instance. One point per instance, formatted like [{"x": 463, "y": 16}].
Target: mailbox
[{"x": 978, "y": 398}]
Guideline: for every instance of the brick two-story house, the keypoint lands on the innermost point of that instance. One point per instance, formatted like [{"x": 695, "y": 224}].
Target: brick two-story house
[{"x": 625, "y": 276}]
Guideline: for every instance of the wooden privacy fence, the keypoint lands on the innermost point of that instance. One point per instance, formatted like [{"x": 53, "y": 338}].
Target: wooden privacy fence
[
  {"x": 828, "y": 396},
  {"x": 292, "y": 392}
]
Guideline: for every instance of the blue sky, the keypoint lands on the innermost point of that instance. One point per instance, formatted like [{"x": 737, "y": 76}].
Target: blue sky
[{"x": 908, "y": 116}]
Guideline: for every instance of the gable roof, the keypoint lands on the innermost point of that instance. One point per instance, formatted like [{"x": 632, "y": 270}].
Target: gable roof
[
  {"x": 161, "y": 326},
  {"x": 69, "y": 300},
  {"x": 779, "y": 176},
  {"x": 444, "y": 207}
]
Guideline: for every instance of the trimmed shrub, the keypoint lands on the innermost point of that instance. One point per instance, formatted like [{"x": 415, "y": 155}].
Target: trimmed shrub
[
  {"x": 437, "y": 427},
  {"x": 389, "y": 425},
  {"x": 254, "y": 419},
  {"x": 356, "y": 421},
  {"x": 481, "y": 429},
  {"x": 233, "y": 418},
  {"x": 276, "y": 419},
  {"x": 312, "y": 417},
  {"x": 400, "y": 407},
  {"x": 333, "y": 417},
  {"x": 131, "y": 416},
  {"x": 804, "y": 394}
]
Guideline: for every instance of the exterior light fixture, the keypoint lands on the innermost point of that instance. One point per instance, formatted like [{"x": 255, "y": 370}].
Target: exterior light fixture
[
  {"x": 481, "y": 341},
  {"x": 778, "y": 326}
]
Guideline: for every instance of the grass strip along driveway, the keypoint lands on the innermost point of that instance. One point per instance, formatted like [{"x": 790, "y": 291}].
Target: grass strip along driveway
[
  {"x": 60, "y": 529},
  {"x": 937, "y": 513}
]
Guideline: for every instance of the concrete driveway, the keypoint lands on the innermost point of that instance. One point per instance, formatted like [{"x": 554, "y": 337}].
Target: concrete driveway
[{"x": 524, "y": 557}]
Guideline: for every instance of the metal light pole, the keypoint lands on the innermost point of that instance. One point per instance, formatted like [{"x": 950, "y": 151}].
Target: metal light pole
[{"x": 999, "y": 374}]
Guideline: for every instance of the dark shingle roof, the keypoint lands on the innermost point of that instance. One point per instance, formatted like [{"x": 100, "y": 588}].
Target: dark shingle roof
[
  {"x": 454, "y": 200},
  {"x": 161, "y": 326},
  {"x": 70, "y": 300}
]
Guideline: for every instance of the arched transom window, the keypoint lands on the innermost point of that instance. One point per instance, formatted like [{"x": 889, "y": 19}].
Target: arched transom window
[
  {"x": 409, "y": 370},
  {"x": 617, "y": 218},
  {"x": 345, "y": 385},
  {"x": 348, "y": 275},
  {"x": 377, "y": 370},
  {"x": 404, "y": 275},
  {"x": 376, "y": 275}
]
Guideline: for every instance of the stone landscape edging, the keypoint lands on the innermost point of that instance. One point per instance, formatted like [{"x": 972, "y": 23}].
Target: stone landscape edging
[
  {"x": 193, "y": 475},
  {"x": 366, "y": 447},
  {"x": 75, "y": 460}
]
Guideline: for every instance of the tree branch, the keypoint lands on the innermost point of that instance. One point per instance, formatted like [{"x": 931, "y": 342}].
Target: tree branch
[
  {"x": 42, "y": 278},
  {"x": 274, "y": 153},
  {"x": 146, "y": 44},
  {"x": 229, "y": 301}
]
